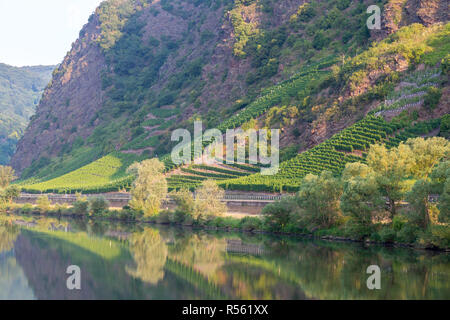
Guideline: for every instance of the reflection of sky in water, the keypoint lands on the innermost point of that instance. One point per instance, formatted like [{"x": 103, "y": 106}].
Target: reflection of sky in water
[{"x": 13, "y": 283}]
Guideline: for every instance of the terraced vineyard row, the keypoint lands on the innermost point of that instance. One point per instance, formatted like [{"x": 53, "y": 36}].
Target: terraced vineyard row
[
  {"x": 193, "y": 176},
  {"x": 299, "y": 85},
  {"x": 413, "y": 88},
  {"x": 333, "y": 154},
  {"x": 104, "y": 175}
]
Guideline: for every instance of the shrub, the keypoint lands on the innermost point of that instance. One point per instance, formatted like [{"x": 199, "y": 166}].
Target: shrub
[
  {"x": 184, "y": 200},
  {"x": 432, "y": 98},
  {"x": 26, "y": 209},
  {"x": 81, "y": 207},
  {"x": 279, "y": 214},
  {"x": 43, "y": 203},
  {"x": 408, "y": 233},
  {"x": 250, "y": 223},
  {"x": 387, "y": 234},
  {"x": 398, "y": 222},
  {"x": 357, "y": 231},
  {"x": 98, "y": 205}
]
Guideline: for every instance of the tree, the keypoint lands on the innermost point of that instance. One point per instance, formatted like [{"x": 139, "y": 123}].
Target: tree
[
  {"x": 149, "y": 189},
  {"x": 43, "y": 203},
  {"x": 418, "y": 200},
  {"x": 319, "y": 198},
  {"x": 425, "y": 154},
  {"x": 361, "y": 198},
  {"x": 356, "y": 169},
  {"x": 6, "y": 176},
  {"x": 184, "y": 200},
  {"x": 7, "y": 195},
  {"x": 208, "y": 200},
  {"x": 444, "y": 203},
  {"x": 98, "y": 205},
  {"x": 390, "y": 168},
  {"x": 281, "y": 213},
  {"x": 440, "y": 179},
  {"x": 432, "y": 98}
]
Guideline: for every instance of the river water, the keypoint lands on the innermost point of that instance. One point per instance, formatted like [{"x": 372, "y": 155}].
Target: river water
[{"x": 123, "y": 261}]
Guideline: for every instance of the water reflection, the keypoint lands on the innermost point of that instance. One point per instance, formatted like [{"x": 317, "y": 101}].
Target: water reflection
[{"x": 146, "y": 262}]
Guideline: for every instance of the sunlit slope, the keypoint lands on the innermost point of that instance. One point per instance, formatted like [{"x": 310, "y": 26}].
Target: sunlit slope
[
  {"x": 104, "y": 175},
  {"x": 347, "y": 146},
  {"x": 109, "y": 173}
]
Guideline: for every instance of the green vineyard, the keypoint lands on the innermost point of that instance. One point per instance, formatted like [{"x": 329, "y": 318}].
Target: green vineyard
[
  {"x": 347, "y": 146},
  {"x": 104, "y": 175}
]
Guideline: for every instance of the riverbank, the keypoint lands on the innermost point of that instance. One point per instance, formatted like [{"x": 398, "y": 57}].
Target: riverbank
[{"x": 436, "y": 238}]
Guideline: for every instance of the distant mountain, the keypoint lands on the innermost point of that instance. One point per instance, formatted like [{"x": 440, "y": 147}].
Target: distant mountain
[{"x": 20, "y": 92}]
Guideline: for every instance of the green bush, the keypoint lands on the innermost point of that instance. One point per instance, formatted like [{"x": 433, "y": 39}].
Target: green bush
[
  {"x": 250, "y": 223},
  {"x": 398, "y": 222},
  {"x": 279, "y": 214},
  {"x": 357, "y": 231},
  {"x": 98, "y": 205},
  {"x": 432, "y": 98},
  {"x": 387, "y": 234},
  {"x": 81, "y": 207},
  {"x": 407, "y": 234}
]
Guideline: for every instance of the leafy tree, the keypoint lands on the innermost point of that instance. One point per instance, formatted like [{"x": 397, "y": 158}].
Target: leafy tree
[
  {"x": 425, "y": 154},
  {"x": 445, "y": 126},
  {"x": 149, "y": 189},
  {"x": 432, "y": 98},
  {"x": 418, "y": 200},
  {"x": 319, "y": 198},
  {"x": 444, "y": 203},
  {"x": 6, "y": 176},
  {"x": 280, "y": 214},
  {"x": 440, "y": 178},
  {"x": 390, "y": 169},
  {"x": 98, "y": 205},
  {"x": 7, "y": 195},
  {"x": 356, "y": 169},
  {"x": 208, "y": 200},
  {"x": 361, "y": 197},
  {"x": 43, "y": 203},
  {"x": 184, "y": 200}
]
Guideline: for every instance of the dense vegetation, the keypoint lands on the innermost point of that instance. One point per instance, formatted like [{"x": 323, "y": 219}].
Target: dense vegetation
[{"x": 20, "y": 91}]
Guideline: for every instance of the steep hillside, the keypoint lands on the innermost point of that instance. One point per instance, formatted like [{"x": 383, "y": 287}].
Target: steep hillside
[
  {"x": 143, "y": 68},
  {"x": 20, "y": 91}
]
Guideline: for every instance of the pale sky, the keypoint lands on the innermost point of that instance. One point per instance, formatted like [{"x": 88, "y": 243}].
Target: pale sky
[{"x": 40, "y": 32}]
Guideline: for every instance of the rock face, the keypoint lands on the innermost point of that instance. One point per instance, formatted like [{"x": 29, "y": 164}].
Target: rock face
[
  {"x": 399, "y": 13},
  {"x": 73, "y": 95}
]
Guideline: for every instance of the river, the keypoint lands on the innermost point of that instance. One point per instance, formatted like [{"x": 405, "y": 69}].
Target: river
[{"x": 130, "y": 261}]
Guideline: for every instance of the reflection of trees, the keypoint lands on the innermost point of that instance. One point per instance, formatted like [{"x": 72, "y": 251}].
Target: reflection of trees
[
  {"x": 334, "y": 271},
  {"x": 8, "y": 235},
  {"x": 150, "y": 254},
  {"x": 204, "y": 253}
]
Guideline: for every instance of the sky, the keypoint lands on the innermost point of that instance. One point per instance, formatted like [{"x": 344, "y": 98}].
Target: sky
[{"x": 40, "y": 32}]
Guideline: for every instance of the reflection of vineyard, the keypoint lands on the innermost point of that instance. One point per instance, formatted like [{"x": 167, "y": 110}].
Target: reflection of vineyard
[
  {"x": 163, "y": 264},
  {"x": 187, "y": 273}
]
